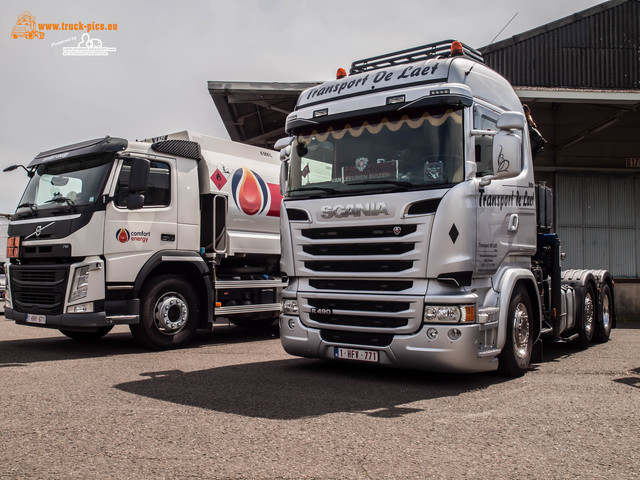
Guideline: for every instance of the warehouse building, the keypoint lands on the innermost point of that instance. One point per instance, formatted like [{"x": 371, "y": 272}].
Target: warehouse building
[{"x": 580, "y": 76}]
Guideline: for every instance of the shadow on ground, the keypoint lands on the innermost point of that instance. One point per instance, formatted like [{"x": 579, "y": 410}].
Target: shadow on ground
[
  {"x": 32, "y": 350},
  {"x": 298, "y": 388}
]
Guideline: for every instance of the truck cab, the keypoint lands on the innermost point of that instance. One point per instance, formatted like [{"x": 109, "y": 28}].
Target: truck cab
[
  {"x": 409, "y": 219},
  {"x": 154, "y": 234}
]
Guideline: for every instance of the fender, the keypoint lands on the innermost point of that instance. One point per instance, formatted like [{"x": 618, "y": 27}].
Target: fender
[
  {"x": 168, "y": 259},
  {"x": 504, "y": 291}
]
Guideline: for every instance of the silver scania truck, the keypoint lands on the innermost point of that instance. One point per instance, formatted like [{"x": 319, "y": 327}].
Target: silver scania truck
[{"x": 413, "y": 233}]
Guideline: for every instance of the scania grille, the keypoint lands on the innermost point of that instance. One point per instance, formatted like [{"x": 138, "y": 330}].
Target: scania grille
[
  {"x": 360, "y": 313},
  {"x": 38, "y": 289},
  {"x": 367, "y": 312},
  {"x": 359, "y": 249},
  {"x": 352, "y": 338},
  {"x": 392, "y": 266},
  {"x": 361, "y": 285},
  {"x": 360, "y": 321},
  {"x": 368, "y": 231}
]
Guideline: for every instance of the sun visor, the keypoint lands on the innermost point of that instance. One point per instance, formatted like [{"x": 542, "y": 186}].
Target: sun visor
[{"x": 98, "y": 145}]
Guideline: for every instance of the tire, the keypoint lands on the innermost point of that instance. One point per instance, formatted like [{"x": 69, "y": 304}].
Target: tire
[
  {"x": 169, "y": 316},
  {"x": 515, "y": 358},
  {"x": 605, "y": 315},
  {"x": 87, "y": 335},
  {"x": 587, "y": 325}
]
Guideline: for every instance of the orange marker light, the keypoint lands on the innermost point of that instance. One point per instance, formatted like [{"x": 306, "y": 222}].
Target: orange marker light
[
  {"x": 456, "y": 48},
  {"x": 341, "y": 73}
]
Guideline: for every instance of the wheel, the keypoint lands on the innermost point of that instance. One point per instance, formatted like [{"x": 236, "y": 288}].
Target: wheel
[
  {"x": 516, "y": 353},
  {"x": 87, "y": 335},
  {"x": 605, "y": 316},
  {"x": 168, "y": 316},
  {"x": 586, "y": 328}
]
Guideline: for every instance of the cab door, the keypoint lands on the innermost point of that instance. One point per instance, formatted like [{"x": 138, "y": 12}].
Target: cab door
[
  {"x": 132, "y": 237},
  {"x": 506, "y": 205}
]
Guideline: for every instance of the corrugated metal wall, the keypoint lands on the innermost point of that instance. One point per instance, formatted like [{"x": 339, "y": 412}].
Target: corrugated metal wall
[
  {"x": 594, "y": 50},
  {"x": 598, "y": 221}
]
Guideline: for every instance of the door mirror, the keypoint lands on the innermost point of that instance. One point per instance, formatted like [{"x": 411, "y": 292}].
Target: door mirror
[
  {"x": 135, "y": 201},
  {"x": 139, "y": 176},
  {"x": 507, "y": 154},
  {"x": 507, "y": 148},
  {"x": 283, "y": 143},
  {"x": 284, "y": 177}
]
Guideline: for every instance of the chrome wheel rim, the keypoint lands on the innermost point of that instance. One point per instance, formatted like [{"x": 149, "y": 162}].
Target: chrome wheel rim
[
  {"x": 606, "y": 312},
  {"x": 521, "y": 331},
  {"x": 170, "y": 313},
  {"x": 589, "y": 314}
]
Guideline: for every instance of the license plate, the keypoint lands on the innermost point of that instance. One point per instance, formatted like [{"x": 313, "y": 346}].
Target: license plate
[
  {"x": 354, "y": 354},
  {"x": 41, "y": 319}
]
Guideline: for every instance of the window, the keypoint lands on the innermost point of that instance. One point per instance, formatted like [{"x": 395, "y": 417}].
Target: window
[
  {"x": 484, "y": 119},
  {"x": 403, "y": 150},
  {"x": 158, "y": 191}
]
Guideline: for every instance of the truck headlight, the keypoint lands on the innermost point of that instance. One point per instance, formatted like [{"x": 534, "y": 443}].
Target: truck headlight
[
  {"x": 449, "y": 314},
  {"x": 290, "y": 307},
  {"x": 80, "y": 284}
]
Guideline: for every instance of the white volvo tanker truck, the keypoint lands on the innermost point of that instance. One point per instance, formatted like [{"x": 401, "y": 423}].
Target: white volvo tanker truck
[
  {"x": 166, "y": 235},
  {"x": 413, "y": 234}
]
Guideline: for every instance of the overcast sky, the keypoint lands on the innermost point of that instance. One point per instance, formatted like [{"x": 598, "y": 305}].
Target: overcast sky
[{"x": 155, "y": 82}]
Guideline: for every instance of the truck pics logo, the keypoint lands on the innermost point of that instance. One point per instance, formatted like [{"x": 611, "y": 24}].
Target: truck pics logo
[
  {"x": 26, "y": 27},
  {"x": 370, "y": 209},
  {"x": 123, "y": 236},
  {"x": 252, "y": 194}
]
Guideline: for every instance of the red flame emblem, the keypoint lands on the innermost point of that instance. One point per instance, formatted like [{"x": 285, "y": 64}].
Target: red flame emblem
[{"x": 123, "y": 235}]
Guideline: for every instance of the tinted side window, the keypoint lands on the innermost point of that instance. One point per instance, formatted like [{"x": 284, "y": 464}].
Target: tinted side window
[
  {"x": 158, "y": 191},
  {"x": 484, "y": 119}
]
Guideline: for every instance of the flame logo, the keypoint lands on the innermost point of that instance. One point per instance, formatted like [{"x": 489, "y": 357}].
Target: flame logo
[
  {"x": 250, "y": 192},
  {"x": 123, "y": 235}
]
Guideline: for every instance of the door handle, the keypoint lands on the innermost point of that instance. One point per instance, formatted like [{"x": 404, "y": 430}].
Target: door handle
[{"x": 513, "y": 222}]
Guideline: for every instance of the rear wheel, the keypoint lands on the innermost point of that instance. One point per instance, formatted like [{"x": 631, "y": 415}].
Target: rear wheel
[
  {"x": 605, "y": 315},
  {"x": 87, "y": 335},
  {"x": 587, "y": 326},
  {"x": 168, "y": 314},
  {"x": 516, "y": 353}
]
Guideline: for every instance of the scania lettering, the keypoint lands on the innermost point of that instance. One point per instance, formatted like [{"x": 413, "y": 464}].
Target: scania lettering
[
  {"x": 165, "y": 235},
  {"x": 413, "y": 233},
  {"x": 341, "y": 211}
]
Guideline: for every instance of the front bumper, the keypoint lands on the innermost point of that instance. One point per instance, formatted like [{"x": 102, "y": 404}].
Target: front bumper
[
  {"x": 415, "y": 351},
  {"x": 117, "y": 313}
]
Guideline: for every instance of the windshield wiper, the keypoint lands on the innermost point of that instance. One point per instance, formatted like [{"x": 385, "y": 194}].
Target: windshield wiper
[
  {"x": 61, "y": 199},
  {"x": 310, "y": 187},
  {"x": 32, "y": 206}
]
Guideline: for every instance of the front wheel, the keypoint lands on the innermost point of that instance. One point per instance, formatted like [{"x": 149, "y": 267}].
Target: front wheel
[
  {"x": 169, "y": 317},
  {"x": 516, "y": 353},
  {"x": 605, "y": 315},
  {"x": 87, "y": 335}
]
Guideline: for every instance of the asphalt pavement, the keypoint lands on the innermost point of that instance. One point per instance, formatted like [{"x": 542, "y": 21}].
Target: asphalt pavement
[{"x": 235, "y": 405}]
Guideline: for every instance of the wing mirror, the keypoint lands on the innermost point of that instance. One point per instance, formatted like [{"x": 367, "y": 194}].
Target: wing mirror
[
  {"x": 284, "y": 146},
  {"x": 507, "y": 148}
]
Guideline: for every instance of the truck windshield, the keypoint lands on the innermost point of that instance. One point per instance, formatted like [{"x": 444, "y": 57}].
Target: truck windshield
[
  {"x": 421, "y": 150},
  {"x": 64, "y": 186}
]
